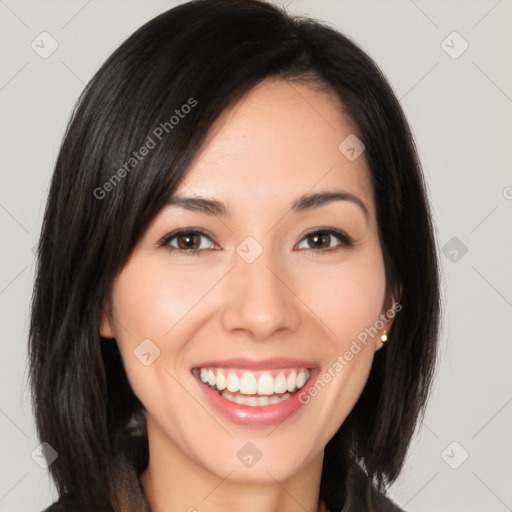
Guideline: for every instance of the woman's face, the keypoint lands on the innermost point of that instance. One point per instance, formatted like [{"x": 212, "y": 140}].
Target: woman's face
[{"x": 267, "y": 295}]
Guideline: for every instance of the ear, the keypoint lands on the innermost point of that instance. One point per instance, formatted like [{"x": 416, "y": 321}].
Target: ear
[
  {"x": 383, "y": 336},
  {"x": 387, "y": 316},
  {"x": 107, "y": 325}
]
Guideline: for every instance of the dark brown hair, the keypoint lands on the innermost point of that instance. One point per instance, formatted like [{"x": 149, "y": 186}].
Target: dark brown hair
[{"x": 212, "y": 52}]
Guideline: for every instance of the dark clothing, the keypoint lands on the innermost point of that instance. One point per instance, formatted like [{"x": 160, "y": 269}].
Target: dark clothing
[{"x": 361, "y": 495}]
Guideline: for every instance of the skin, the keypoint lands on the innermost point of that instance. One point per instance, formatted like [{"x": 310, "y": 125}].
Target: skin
[{"x": 278, "y": 143}]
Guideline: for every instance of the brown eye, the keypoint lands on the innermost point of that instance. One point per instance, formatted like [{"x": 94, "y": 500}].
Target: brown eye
[
  {"x": 190, "y": 242},
  {"x": 321, "y": 240}
]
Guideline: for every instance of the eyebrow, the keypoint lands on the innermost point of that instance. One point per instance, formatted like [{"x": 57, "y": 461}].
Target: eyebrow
[{"x": 303, "y": 203}]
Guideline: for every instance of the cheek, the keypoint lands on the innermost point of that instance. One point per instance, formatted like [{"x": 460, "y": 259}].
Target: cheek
[
  {"x": 147, "y": 305},
  {"x": 347, "y": 299},
  {"x": 154, "y": 308},
  {"x": 150, "y": 300}
]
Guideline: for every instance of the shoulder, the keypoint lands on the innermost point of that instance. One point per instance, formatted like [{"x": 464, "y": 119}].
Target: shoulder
[{"x": 362, "y": 495}]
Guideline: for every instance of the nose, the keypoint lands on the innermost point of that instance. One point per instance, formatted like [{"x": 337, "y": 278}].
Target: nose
[{"x": 259, "y": 299}]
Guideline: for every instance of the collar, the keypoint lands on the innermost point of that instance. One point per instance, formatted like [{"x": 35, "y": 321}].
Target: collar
[{"x": 362, "y": 495}]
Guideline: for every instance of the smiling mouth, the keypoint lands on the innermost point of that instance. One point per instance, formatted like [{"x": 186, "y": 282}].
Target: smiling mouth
[{"x": 254, "y": 387}]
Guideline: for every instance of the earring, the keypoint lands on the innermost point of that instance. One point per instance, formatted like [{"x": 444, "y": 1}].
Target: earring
[
  {"x": 384, "y": 337},
  {"x": 109, "y": 335}
]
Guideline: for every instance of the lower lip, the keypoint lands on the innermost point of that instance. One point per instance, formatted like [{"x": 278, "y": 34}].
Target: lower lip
[{"x": 257, "y": 416}]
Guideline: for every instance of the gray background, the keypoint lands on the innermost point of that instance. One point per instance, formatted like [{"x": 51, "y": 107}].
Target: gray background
[{"x": 460, "y": 110}]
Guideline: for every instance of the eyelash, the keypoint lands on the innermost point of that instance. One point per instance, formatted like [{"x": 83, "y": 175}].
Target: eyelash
[{"x": 345, "y": 240}]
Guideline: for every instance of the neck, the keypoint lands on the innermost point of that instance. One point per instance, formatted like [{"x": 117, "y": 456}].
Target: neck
[{"x": 172, "y": 481}]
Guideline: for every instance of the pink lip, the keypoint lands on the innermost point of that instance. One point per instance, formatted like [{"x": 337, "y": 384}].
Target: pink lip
[
  {"x": 253, "y": 364},
  {"x": 259, "y": 416}
]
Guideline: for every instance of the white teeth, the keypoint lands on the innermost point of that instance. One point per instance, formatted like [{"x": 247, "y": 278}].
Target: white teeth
[
  {"x": 263, "y": 400},
  {"x": 221, "y": 381},
  {"x": 248, "y": 384},
  {"x": 254, "y": 401},
  {"x": 251, "y": 400},
  {"x": 233, "y": 384},
  {"x": 266, "y": 385},
  {"x": 292, "y": 380},
  {"x": 255, "y": 383},
  {"x": 301, "y": 378},
  {"x": 280, "y": 384}
]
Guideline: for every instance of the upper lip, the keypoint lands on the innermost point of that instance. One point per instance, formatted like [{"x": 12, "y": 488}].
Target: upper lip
[{"x": 273, "y": 363}]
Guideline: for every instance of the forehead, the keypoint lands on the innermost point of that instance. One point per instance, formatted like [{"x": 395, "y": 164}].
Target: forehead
[{"x": 280, "y": 141}]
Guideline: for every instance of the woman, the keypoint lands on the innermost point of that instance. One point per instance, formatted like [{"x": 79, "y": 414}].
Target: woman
[{"x": 237, "y": 297}]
